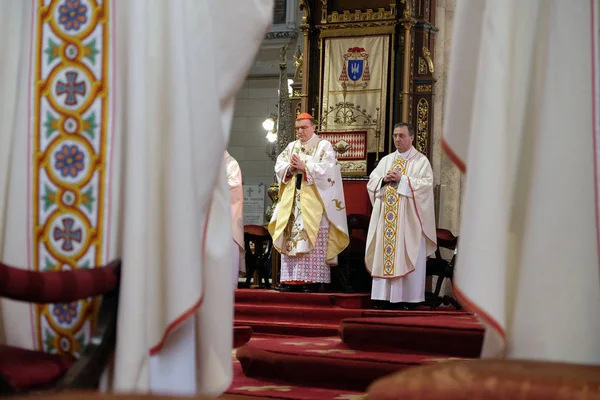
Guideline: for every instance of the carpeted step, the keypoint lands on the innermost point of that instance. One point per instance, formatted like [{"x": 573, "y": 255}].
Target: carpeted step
[
  {"x": 277, "y": 389},
  {"x": 423, "y": 311},
  {"x": 295, "y": 313},
  {"x": 259, "y": 296},
  {"x": 453, "y": 335},
  {"x": 323, "y": 362},
  {"x": 290, "y": 328},
  {"x": 241, "y": 335}
]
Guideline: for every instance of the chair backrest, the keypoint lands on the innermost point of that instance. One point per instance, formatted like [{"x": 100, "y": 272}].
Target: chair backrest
[
  {"x": 48, "y": 287},
  {"x": 446, "y": 239},
  {"x": 260, "y": 238},
  {"x": 358, "y": 222}
]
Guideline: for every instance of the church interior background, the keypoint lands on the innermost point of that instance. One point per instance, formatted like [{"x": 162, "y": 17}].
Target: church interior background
[
  {"x": 315, "y": 24},
  {"x": 359, "y": 67}
]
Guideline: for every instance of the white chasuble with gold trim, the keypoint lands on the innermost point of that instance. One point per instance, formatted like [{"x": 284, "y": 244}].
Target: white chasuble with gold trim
[
  {"x": 403, "y": 213},
  {"x": 297, "y": 217}
]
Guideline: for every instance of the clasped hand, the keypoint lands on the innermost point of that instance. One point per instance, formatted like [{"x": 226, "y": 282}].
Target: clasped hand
[
  {"x": 297, "y": 163},
  {"x": 392, "y": 176}
]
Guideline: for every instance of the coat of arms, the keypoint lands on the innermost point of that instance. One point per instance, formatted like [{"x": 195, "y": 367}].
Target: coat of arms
[{"x": 355, "y": 72}]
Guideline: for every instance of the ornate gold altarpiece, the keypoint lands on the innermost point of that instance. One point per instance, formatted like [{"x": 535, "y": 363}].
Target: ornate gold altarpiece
[{"x": 391, "y": 43}]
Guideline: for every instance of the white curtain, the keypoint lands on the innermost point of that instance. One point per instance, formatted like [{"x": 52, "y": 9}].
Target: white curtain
[
  {"x": 161, "y": 79},
  {"x": 519, "y": 115}
]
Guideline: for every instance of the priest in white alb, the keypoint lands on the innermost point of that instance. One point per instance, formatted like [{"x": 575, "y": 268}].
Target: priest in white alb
[
  {"x": 402, "y": 228},
  {"x": 308, "y": 226},
  {"x": 236, "y": 201}
]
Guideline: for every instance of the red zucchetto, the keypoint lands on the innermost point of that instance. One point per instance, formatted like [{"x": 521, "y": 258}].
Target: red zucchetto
[{"x": 304, "y": 116}]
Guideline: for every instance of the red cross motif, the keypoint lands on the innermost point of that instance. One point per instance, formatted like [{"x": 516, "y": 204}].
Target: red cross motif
[
  {"x": 68, "y": 235},
  {"x": 71, "y": 88}
]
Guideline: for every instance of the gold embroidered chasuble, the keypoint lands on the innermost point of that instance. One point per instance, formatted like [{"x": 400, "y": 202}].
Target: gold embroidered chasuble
[
  {"x": 320, "y": 199},
  {"x": 403, "y": 212}
]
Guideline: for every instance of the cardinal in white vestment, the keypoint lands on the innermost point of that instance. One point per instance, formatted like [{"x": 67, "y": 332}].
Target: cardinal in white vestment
[
  {"x": 309, "y": 226},
  {"x": 116, "y": 115},
  {"x": 236, "y": 199},
  {"x": 402, "y": 228},
  {"x": 522, "y": 122}
]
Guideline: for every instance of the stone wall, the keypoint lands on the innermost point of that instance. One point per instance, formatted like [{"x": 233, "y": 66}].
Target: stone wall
[
  {"x": 445, "y": 173},
  {"x": 247, "y": 144}
]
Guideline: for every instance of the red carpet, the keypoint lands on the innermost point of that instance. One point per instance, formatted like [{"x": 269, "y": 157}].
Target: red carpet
[
  {"x": 295, "y": 351},
  {"x": 323, "y": 362},
  {"x": 241, "y": 335},
  {"x": 279, "y": 389},
  {"x": 254, "y": 296},
  {"x": 290, "y": 328},
  {"x": 454, "y": 335},
  {"x": 307, "y": 314}
]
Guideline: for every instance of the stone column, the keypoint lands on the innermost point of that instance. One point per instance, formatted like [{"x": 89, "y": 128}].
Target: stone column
[{"x": 445, "y": 173}]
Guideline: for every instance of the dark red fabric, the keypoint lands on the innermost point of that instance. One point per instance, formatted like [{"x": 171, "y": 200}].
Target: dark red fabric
[
  {"x": 357, "y": 197},
  {"x": 310, "y": 314},
  {"x": 462, "y": 321},
  {"x": 454, "y": 336},
  {"x": 309, "y": 329},
  {"x": 321, "y": 362},
  {"x": 276, "y": 389},
  {"x": 57, "y": 286},
  {"x": 257, "y": 230},
  {"x": 26, "y": 369},
  {"x": 275, "y": 312},
  {"x": 351, "y": 301},
  {"x": 241, "y": 335}
]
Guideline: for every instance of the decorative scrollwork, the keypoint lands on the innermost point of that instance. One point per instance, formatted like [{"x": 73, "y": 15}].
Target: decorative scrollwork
[
  {"x": 424, "y": 88},
  {"x": 422, "y": 125},
  {"x": 422, "y": 66},
  {"x": 386, "y": 26},
  {"x": 346, "y": 113},
  {"x": 427, "y": 55},
  {"x": 299, "y": 64},
  {"x": 359, "y": 15},
  {"x": 290, "y": 35},
  {"x": 353, "y": 168}
]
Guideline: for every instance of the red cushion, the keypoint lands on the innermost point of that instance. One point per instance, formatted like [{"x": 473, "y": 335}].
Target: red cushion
[
  {"x": 57, "y": 286},
  {"x": 26, "y": 369}
]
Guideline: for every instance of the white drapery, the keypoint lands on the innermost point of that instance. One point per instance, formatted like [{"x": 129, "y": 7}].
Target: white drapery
[
  {"x": 146, "y": 181},
  {"x": 520, "y": 115}
]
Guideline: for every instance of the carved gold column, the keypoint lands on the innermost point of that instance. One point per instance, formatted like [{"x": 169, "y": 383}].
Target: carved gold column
[{"x": 408, "y": 23}]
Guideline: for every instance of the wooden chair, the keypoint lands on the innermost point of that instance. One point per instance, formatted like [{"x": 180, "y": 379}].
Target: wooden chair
[
  {"x": 258, "y": 245},
  {"x": 25, "y": 371},
  {"x": 443, "y": 269},
  {"x": 351, "y": 275}
]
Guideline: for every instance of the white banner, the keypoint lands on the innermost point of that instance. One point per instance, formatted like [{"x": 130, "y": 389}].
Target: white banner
[{"x": 355, "y": 86}]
